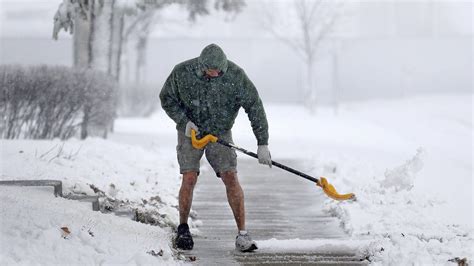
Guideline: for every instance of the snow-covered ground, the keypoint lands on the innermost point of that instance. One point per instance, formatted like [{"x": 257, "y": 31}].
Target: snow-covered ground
[
  {"x": 31, "y": 233},
  {"x": 409, "y": 162},
  {"x": 31, "y": 219}
]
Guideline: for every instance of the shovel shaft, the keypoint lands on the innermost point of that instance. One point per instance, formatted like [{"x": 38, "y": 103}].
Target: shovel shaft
[
  {"x": 277, "y": 164},
  {"x": 321, "y": 182}
]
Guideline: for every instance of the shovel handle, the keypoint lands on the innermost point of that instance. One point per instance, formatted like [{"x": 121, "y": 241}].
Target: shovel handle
[
  {"x": 277, "y": 164},
  {"x": 322, "y": 182}
]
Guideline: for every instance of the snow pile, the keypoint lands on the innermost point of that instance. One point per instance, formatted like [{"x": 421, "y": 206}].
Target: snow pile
[
  {"x": 120, "y": 173},
  {"x": 403, "y": 177},
  {"x": 144, "y": 182},
  {"x": 38, "y": 229},
  {"x": 322, "y": 246},
  {"x": 404, "y": 225},
  {"x": 415, "y": 204}
]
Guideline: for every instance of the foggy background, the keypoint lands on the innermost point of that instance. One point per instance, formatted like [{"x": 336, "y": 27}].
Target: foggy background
[
  {"x": 378, "y": 49},
  {"x": 375, "y": 95}
]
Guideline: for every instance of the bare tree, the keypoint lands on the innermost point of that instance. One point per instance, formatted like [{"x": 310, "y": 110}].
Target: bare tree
[
  {"x": 303, "y": 25},
  {"x": 137, "y": 27},
  {"x": 100, "y": 32},
  {"x": 140, "y": 26},
  {"x": 91, "y": 22}
]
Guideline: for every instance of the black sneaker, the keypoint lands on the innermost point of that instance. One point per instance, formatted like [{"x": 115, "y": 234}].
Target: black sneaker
[{"x": 184, "y": 240}]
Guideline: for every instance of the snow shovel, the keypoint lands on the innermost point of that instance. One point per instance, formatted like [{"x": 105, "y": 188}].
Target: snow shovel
[{"x": 321, "y": 182}]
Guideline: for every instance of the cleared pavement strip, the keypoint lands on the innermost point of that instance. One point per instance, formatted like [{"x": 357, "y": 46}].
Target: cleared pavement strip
[{"x": 278, "y": 205}]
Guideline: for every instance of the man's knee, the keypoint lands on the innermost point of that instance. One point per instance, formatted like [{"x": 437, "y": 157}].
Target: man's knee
[
  {"x": 189, "y": 179},
  {"x": 229, "y": 178}
]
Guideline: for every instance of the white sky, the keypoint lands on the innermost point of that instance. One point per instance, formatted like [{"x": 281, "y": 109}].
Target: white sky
[
  {"x": 27, "y": 18},
  {"x": 34, "y": 18}
]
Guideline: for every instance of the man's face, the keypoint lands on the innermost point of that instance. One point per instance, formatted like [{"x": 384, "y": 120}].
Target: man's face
[{"x": 212, "y": 72}]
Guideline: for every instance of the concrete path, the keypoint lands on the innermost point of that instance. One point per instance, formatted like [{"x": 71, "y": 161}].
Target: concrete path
[{"x": 278, "y": 205}]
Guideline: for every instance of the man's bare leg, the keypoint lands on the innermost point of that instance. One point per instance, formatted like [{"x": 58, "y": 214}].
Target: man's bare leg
[
  {"x": 235, "y": 196},
  {"x": 186, "y": 195}
]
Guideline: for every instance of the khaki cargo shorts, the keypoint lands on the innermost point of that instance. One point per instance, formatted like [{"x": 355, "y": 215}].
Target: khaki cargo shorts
[{"x": 220, "y": 157}]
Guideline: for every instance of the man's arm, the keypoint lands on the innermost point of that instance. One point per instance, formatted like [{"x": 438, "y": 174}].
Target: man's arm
[
  {"x": 252, "y": 104},
  {"x": 171, "y": 103}
]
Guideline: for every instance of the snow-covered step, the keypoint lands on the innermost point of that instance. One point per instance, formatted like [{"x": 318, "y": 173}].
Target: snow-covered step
[
  {"x": 56, "y": 184},
  {"x": 31, "y": 233},
  {"x": 58, "y": 190}
]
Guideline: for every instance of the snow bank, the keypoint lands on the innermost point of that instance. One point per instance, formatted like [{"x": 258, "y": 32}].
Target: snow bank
[
  {"x": 124, "y": 176},
  {"x": 405, "y": 226},
  {"x": 31, "y": 233},
  {"x": 322, "y": 246},
  {"x": 403, "y": 176},
  {"x": 121, "y": 172},
  {"x": 409, "y": 162}
]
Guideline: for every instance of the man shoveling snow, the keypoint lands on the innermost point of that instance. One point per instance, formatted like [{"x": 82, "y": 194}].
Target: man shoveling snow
[{"x": 205, "y": 94}]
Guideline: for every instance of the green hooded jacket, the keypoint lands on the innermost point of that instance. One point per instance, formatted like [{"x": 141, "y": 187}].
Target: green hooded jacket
[{"x": 212, "y": 103}]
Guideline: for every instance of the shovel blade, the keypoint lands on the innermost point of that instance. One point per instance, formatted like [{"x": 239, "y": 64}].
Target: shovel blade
[{"x": 331, "y": 192}]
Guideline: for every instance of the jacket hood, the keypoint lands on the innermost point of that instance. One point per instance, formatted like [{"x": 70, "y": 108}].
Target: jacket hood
[{"x": 212, "y": 57}]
